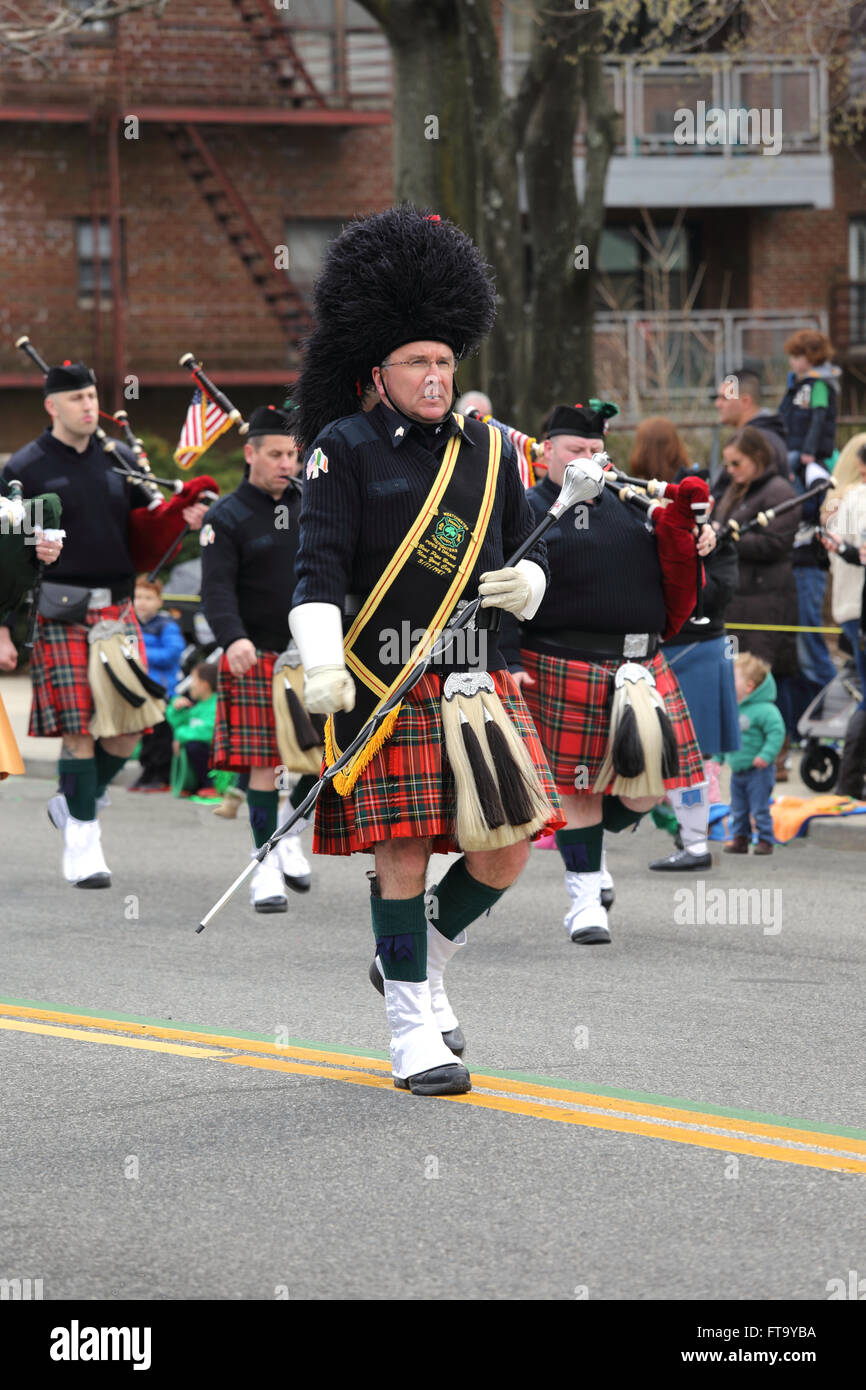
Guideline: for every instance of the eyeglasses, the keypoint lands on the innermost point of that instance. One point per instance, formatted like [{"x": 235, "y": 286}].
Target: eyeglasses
[{"x": 446, "y": 365}]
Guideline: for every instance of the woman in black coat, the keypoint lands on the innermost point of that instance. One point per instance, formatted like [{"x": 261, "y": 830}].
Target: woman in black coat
[{"x": 766, "y": 591}]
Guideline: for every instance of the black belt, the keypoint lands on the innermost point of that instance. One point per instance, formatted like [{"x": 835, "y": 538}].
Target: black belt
[{"x": 634, "y": 646}]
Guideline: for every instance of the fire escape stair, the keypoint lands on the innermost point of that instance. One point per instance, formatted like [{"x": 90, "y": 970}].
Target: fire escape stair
[{"x": 278, "y": 51}]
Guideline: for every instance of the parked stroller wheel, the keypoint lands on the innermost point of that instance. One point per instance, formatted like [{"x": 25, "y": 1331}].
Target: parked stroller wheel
[{"x": 819, "y": 767}]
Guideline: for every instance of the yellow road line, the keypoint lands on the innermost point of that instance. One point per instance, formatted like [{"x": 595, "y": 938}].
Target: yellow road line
[
  {"x": 78, "y": 1035},
  {"x": 335, "y": 1066},
  {"x": 530, "y": 1089}
]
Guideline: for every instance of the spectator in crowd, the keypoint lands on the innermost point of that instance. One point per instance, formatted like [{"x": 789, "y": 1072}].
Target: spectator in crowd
[
  {"x": 192, "y": 724},
  {"x": 738, "y": 403},
  {"x": 766, "y": 593},
  {"x": 810, "y": 409},
  {"x": 474, "y": 400},
  {"x": 659, "y": 452},
  {"x": 164, "y": 642},
  {"x": 698, "y": 654},
  {"x": 844, "y": 538},
  {"x": 762, "y": 730}
]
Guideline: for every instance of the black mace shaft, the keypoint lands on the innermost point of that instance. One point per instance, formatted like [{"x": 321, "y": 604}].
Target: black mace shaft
[{"x": 222, "y": 400}]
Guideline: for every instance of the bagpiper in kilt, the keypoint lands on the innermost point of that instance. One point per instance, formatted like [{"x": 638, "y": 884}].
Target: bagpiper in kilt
[
  {"x": 248, "y": 546},
  {"x": 408, "y": 511},
  {"x": 609, "y": 712},
  {"x": 87, "y": 632}
]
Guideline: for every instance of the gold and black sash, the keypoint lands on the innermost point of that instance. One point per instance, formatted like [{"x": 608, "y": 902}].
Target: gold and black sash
[{"x": 423, "y": 582}]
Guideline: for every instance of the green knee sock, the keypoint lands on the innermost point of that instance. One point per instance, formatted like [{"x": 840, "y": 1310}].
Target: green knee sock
[
  {"x": 78, "y": 785},
  {"x": 304, "y": 786},
  {"x": 581, "y": 849},
  {"x": 400, "y": 929},
  {"x": 459, "y": 900},
  {"x": 263, "y": 808},
  {"x": 616, "y": 816},
  {"x": 107, "y": 767}
]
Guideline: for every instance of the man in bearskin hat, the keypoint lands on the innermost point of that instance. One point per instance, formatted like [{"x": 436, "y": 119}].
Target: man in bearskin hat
[
  {"x": 408, "y": 511},
  {"x": 95, "y": 575},
  {"x": 248, "y": 546},
  {"x": 611, "y": 718}
]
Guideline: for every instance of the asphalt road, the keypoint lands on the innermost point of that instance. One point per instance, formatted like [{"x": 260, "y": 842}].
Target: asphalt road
[{"x": 138, "y": 1173}]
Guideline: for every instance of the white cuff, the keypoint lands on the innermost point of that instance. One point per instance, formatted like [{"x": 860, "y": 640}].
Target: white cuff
[
  {"x": 815, "y": 473},
  {"x": 318, "y": 630},
  {"x": 537, "y": 588}
]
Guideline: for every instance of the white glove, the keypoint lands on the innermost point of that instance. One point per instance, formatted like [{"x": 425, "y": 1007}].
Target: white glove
[
  {"x": 328, "y": 689},
  {"x": 518, "y": 591}
]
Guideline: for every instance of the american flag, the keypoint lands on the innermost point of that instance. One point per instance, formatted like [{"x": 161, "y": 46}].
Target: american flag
[{"x": 204, "y": 423}]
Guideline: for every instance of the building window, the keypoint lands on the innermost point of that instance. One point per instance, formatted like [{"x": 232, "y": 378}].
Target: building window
[
  {"x": 307, "y": 239},
  {"x": 342, "y": 48},
  {"x": 94, "y": 259},
  {"x": 645, "y": 268}
]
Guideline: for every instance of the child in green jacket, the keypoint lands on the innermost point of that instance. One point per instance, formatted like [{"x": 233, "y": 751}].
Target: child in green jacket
[
  {"x": 192, "y": 722},
  {"x": 753, "y": 774}
]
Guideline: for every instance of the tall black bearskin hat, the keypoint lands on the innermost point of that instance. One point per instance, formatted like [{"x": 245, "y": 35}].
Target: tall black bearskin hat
[{"x": 393, "y": 278}]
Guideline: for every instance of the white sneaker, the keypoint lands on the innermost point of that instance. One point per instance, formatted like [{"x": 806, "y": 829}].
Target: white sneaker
[
  {"x": 83, "y": 863},
  {"x": 586, "y": 919},
  {"x": 267, "y": 889},
  {"x": 293, "y": 862},
  {"x": 416, "y": 1043}
]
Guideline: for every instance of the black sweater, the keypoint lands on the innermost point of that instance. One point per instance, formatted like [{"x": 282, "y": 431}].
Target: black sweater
[
  {"x": 380, "y": 468},
  {"x": 605, "y": 575},
  {"x": 248, "y": 548},
  {"x": 96, "y": 506}
]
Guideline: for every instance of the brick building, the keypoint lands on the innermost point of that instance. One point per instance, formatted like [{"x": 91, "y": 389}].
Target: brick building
[{"x": 152, "y": 178}]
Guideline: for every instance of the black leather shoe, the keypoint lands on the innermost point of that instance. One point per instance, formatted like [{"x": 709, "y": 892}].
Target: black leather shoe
[
  {"x": 591, "y": 936},
  {"x": 455, "y": 1039},
  {"x": 94, "y": 881},
  {"x": 608, "y": 898},
  {"x": 439, "y": 1081},
  {"x": 271, "y": 905},
  {"x": 682, "y": 862}
]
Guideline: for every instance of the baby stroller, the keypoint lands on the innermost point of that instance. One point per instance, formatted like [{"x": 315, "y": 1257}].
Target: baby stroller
[{"x": 823, "y": 726}]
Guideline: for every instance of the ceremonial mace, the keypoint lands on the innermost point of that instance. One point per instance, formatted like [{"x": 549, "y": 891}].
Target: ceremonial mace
[{"x": 583, "y": 480}]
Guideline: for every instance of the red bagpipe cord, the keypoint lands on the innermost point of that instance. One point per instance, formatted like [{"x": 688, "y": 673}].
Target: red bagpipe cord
[{"x": 151, "y": 532}]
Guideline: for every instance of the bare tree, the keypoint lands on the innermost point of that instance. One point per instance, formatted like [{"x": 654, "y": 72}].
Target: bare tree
[{"x": 22, "y": 32}]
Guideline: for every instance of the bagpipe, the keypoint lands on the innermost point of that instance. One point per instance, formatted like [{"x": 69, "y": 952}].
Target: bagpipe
[
  {"x": 157, "y": 529},
  {"x": 762, "y": 520},
  {"x": 20, "y": 568},
  {"x": 688, "y": 506}
]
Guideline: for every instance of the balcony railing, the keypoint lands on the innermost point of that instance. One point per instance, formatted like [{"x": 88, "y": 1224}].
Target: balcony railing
[
  {"x": 677, "y": 358},
  {"x": 647, "y": 98}
]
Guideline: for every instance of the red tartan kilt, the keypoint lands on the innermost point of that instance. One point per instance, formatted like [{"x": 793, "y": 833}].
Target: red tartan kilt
[
  {"x": 569, "y": 703},
  {"x": 62, "y": 700},
  {"x": 407, "y": 790},
  {"x": 245, "y": 732}
]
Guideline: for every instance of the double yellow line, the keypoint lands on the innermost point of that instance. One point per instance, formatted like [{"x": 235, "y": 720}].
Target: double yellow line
[{"x": 729, "y": 1133}]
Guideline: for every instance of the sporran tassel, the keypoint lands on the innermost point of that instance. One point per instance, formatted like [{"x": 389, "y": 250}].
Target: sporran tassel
[
  {"x": 124, "y": 698},
  {"x": 641, "y": 746},
  {"x": 491, "y": 806},
  {"x": 301, "y": 747},
  {"x": 516, "y": 798}
]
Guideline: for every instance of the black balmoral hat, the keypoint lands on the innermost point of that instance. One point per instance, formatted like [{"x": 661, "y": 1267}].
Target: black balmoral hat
[
  {"x": 583, "y": 421},
  {"x": 71, "y": 376},
  {"x": 270, "y": 419}
]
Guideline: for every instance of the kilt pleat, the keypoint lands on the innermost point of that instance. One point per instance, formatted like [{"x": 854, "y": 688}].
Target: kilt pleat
[
  {"x": 245, "y": 730},
  {"x": 62, "y": 699},
  {"x": 570, "y": 704},
  {"x": 407, "y": 790}
]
